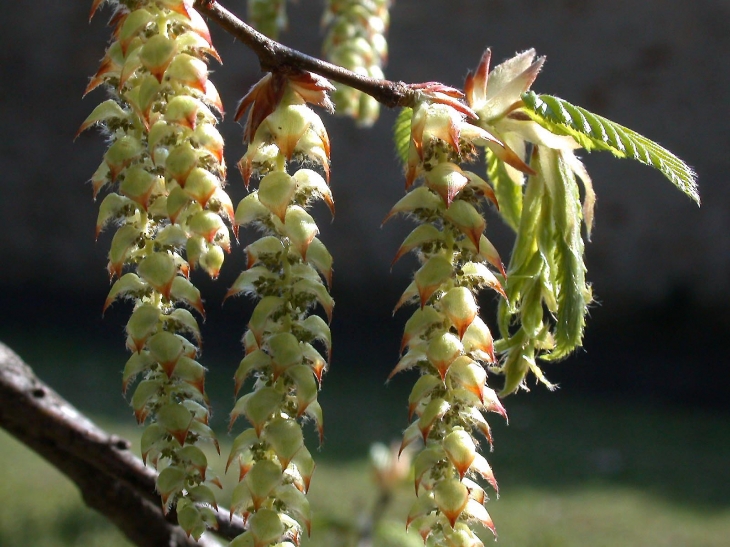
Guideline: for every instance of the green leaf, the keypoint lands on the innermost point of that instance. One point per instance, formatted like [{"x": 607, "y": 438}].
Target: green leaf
[
  {"x": 508, "y": 192},
  {"x": 595, "y": 132},
  {"x": 402, "y": 133},
  {"x": 570, "y": 268}
]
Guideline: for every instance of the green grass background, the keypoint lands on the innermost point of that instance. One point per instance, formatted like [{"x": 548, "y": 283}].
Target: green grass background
[{"x": 572, "y": 472}]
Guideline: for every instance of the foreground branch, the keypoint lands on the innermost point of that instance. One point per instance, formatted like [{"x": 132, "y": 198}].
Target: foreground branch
[
  {"x": 275, "y": 57},
  {"x": 111, "y": 479}
]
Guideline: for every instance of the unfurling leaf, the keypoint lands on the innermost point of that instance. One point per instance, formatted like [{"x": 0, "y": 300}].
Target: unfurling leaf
[
  {"x": 594, "y": 132},
  {"x": 402, "y": 133}
]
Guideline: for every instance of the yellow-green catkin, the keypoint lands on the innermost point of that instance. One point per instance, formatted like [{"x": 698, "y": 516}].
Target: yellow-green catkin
[
  {"x": 165, "y": 171},
  {"x": 268, "y": 16},
  {"x": 356, "y": 40},
  {"x": 289, "y": 270},
  {"x": 445, "y": 339}
]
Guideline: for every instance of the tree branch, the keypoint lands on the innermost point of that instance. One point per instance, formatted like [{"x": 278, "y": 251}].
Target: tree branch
[
  {"x": 111, "y": 479},
  {"x": 275, "y": 57}
]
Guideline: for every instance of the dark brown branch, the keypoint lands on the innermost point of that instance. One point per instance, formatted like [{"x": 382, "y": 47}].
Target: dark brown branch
[
  {"x": 275, "y": 57},
  {"x": 111, "y": 479}
]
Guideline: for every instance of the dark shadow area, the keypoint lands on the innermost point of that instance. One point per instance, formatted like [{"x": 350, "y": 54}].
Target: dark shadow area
[{"x": 640, "y": 406}]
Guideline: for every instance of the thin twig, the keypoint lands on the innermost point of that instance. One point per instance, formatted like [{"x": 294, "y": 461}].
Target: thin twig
[{"x": 276, "y": 57}]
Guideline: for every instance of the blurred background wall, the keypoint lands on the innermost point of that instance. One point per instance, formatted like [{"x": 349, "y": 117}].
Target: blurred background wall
[{"x": 660, "y": 267}]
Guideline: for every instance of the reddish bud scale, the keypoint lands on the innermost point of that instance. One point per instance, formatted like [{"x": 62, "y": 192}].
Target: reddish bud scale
[
  {"x": 289, "y": 271},
  {"x": 165, "y": 168},
  {"x": 445, "y": 338}
]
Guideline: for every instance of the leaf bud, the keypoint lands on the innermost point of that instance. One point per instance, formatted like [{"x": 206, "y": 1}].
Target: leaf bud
[{"x": 190, "y": 520}]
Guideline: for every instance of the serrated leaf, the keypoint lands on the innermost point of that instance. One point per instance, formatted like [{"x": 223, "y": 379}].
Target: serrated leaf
[
  {"x": 594, "y": 132},
  {"x": 402, "y": 133},
  {"x": 508, "y": 192},
  {"x": 568, "y": 248}
]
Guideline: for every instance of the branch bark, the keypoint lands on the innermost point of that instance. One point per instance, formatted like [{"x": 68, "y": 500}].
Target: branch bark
[
  {"x": 111, "y": 479},
  {"x": 276, "y": 57}
]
